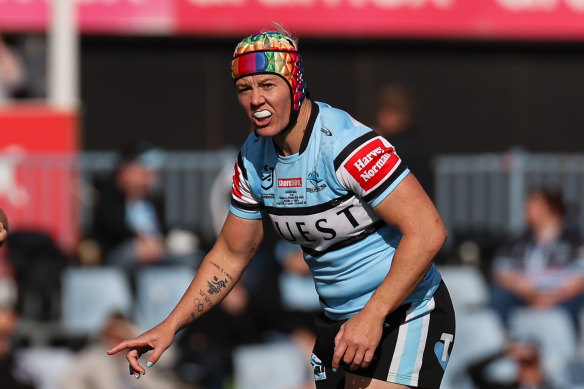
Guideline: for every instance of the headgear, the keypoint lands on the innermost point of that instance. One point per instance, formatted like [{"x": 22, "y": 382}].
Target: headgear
[{"x": 272, "y": 52}]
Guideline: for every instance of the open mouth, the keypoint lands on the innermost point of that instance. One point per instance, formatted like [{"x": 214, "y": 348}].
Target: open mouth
[{"x": 262, "y": 117}]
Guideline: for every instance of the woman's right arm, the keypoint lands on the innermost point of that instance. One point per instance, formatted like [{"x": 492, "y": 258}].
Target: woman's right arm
[{"x": 219, "y": 272}]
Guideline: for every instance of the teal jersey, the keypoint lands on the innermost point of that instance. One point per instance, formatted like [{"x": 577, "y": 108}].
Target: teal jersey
[{"x": 323, "y": 199}]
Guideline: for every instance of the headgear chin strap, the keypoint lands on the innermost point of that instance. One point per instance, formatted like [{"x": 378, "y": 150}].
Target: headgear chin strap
[{"x": 272, "y": 52}]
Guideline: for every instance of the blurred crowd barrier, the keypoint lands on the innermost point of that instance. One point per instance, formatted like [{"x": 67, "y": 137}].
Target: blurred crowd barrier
[
  {"x": 486, "y": 192},
  {"x": 483, "y": 192},
  {"x": 473, "y": 192},
  {"x": 38, "y": 190}
]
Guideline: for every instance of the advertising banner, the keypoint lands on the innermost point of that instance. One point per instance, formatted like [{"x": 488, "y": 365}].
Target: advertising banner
[
  {"x": 507, "y": 19},
  {"x": 38, "y": 188},
  {"x": 95, "y": 16},
  {"x": 482, "y": 19}
]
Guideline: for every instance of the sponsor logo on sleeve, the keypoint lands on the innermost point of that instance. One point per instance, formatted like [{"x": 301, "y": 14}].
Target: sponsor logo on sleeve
[
  {"x": 289, "y": 182},
  {"x": 235, "y": 191},
  {"x": 370, "y": 164}
]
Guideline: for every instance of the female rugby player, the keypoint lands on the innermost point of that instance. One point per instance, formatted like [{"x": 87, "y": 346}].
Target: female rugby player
[{"x": 368, "y": 231}]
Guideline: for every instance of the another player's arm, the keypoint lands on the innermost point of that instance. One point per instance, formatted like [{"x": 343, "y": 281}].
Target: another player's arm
[
  {"x": 219, "y": 272},
  {"x": 409, "y": 209},
  {"x": 3, "y": 227}
]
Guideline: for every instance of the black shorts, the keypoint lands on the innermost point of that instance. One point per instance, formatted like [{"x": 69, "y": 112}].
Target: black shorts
[{"x": 412, "y": 352}]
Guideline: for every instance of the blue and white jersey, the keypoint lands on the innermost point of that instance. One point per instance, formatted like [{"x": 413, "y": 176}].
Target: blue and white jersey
[{"x": 323, "y": 199}]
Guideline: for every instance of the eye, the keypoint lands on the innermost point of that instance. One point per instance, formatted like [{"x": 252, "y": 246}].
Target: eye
[{"x": 242, "y": 88}]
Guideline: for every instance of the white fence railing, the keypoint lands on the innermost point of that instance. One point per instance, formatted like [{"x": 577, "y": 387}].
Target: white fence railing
[
  {"x": 473, "y": 192},
  {"x": 487, "y": 191},
  {"x": 31, "y": 185}
]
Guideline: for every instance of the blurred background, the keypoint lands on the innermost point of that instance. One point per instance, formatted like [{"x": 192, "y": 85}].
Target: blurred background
[{"x": 118, "y": 133}]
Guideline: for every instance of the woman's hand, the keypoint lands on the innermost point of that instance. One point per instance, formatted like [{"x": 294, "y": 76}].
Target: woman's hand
[
  {"x": 357, "y": 341},
  {"x": 157, "y": 339}
]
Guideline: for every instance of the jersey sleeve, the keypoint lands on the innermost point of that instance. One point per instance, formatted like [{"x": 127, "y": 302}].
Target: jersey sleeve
[
  {"x": 243, "y": 203},
  {"x": 370, "y": 167}
]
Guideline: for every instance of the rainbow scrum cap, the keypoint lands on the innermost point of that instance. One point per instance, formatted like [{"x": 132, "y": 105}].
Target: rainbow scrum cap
[{"x": 272, "y": 52}]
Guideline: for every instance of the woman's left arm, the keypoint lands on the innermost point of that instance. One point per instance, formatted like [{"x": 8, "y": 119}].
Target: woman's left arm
[{"x": 410, "y": 210}]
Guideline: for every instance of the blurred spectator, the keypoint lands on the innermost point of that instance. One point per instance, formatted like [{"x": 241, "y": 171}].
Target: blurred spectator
[
  {"x": 545, "y": 268},
  {"x": 304, "y": 339},
  {"x": 529, "y": 371},
  {"x": 92, "y": 370},
  {"x": 129, "y": 217},
  {"x": 220, "y": 197},
  {"x": 298, "y": 295},
  {"x": 38, "y": 264},
  {"x": 12, "y": 72},
  {"x": 394, "y": 121},
  {"x": 9, "y": 371}
]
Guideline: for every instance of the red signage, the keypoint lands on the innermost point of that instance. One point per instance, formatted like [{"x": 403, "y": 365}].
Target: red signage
[
  {"x": 531, "y": 19},
  {"x": 106, "y": 16},
  {"x": 39, "y": 194},
  {"x": 505, "y": 19}
]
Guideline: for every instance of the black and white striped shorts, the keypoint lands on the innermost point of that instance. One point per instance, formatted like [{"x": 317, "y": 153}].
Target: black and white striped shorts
[{"x": 412, "y": 351}]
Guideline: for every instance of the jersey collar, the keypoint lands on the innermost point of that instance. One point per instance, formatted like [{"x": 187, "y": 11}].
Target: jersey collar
[{"x": 309, "y": 127}]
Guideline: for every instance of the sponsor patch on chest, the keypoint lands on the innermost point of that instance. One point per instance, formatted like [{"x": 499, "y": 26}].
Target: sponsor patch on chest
[
  {"x": 290, "y": 182},
  {"x": 371, "y": 163}
]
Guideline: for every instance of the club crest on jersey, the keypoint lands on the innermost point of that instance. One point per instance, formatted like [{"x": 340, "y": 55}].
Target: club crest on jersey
[
  {"x": 315, "y": 180},
  {"x": 370, "y": 164},
  {"x": 267, "y": 177}
]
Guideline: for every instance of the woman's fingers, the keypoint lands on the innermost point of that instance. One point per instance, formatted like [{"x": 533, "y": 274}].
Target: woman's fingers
[
  {"x": 155, "y": 356},
  {"x": 339, "y": 354},
  {"x": 135, "y": 368},
  {"x": 357, "y": 360},
  {"x": 136, "y": 347},
  {"x": 121, "y": 346},
  {"x": 367, "y": 358}
]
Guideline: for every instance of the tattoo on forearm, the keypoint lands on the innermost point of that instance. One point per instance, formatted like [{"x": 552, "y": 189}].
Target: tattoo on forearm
[
  {"x": 207, "y": 298},
  {"x": 199, "y": 308},
  {"x": 222, "y": 271},
  {"x": 252, "y": 250},
  {"x": 216, "y": 285}
]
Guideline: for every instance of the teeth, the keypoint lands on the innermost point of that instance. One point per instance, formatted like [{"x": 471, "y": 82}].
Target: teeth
[{"x": 262, "y": 114}]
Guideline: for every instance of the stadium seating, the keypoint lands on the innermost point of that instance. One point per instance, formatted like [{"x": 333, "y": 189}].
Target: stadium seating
[
  {"x": 158, "y": 290},
  {"x": 298, "y": 292},
  {"x": 553, "y": 331},
  {"x": 277, "y": 365},
  {"x": 91, "y": 295},
  {"x": 478, "y": 335},
  {"x": 467, "y": 286}
]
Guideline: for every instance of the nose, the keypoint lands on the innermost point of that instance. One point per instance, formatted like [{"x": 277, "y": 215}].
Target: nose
[{"x": 257, "y": 97}]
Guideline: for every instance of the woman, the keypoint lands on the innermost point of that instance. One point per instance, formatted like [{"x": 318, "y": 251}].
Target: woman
[
  {"x": 544, "y": 268},
  {"x": 333, "y": 186}
]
